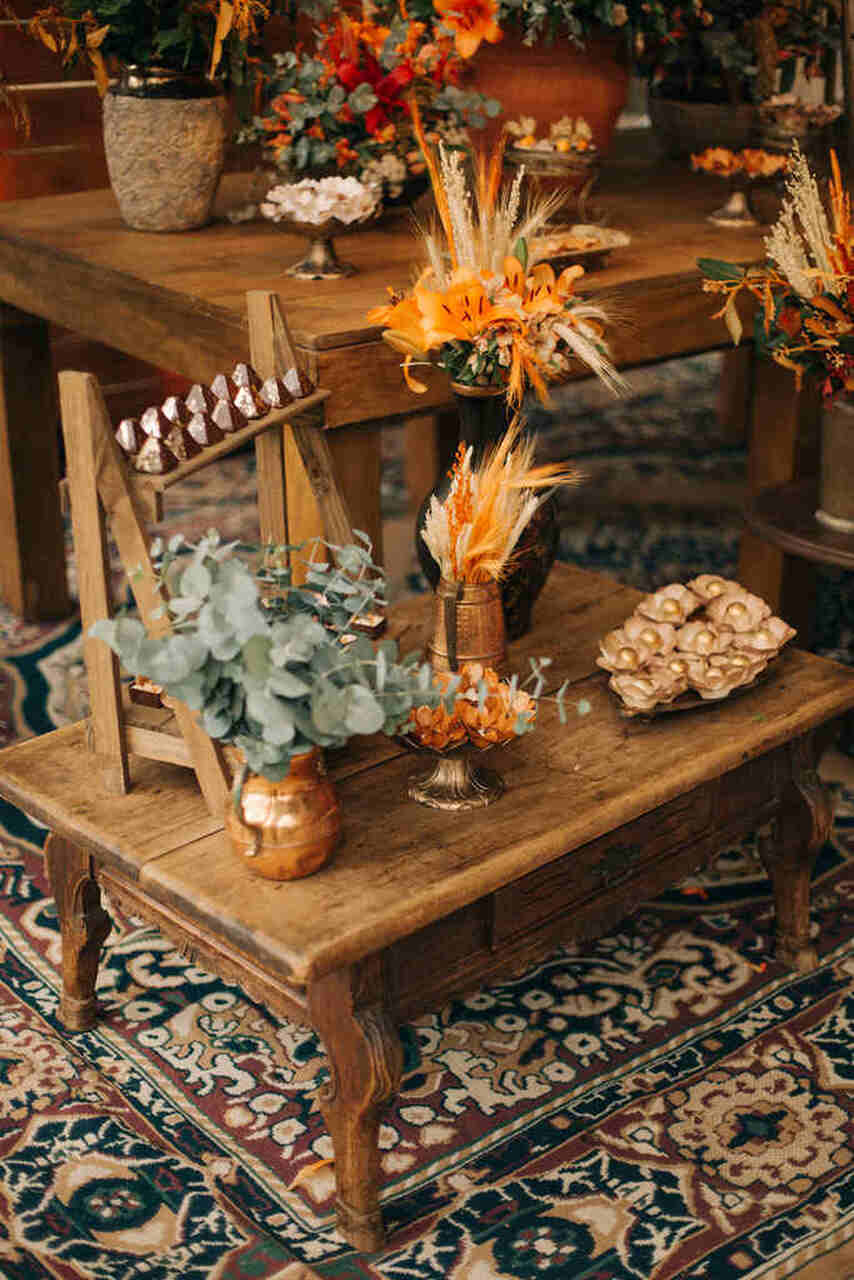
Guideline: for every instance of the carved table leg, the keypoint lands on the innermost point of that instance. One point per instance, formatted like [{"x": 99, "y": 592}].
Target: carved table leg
[
  {"x": 366, "y": 1063},
  {"x": 789, "y": 850},
  {"x": 84, "y": 926}
]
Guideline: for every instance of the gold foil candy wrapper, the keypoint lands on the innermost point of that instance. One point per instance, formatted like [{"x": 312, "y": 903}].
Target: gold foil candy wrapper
[
  {"x": 275, "y": 394},
  {"x": 247, "y": 402},
  {"x": 130, "y": 436},
  {"x": 155, "y": 457},
  {"x": 245, "y": 376},
  {"x": 223, "y": 388},
  {"x": 228, "y": 417},
  {"x": 182, "y": 443},
  {"x": 297, "y": 383},
  {"x": 155, "y": 423},
  {"x": 200, "y": 399},
  {"x": 204, "y": 430},
  {"x": 176, "y": 410}
]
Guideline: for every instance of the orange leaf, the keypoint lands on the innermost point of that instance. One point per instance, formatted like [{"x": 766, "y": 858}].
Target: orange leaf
[
  {"x": 224, "y": 23},
  {"x": 308, "y": 1171}
]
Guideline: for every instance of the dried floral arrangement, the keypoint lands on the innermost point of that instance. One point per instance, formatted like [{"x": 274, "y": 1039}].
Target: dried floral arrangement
[
  {"x": 565, "y": 137},
  {"x": 752, "y": 162},
  {"x": 473, "y": 532},
  {"x": 475, "y": 706},
  {"x": 486, "y": 319},
  {"x": 805, "y": 320},
  {"x": 344, "y": 106},
  {"x": 317, "y": 200},
  {"x": 705, "y": 639},
  {"x": 165, "y": 435}
]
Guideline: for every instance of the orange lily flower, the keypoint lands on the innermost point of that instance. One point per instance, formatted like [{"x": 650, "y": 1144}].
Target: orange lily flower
[
  {"x": 471, "y": 22},
  {"x": 462, "y": 311}
]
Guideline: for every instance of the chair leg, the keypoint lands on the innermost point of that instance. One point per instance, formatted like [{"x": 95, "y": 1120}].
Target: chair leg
[{"x": 84, "y": 926}]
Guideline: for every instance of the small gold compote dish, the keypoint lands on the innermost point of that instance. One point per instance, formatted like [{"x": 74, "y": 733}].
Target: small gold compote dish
[
  {"x": 692, "y": 645},
  {"x": 478, "y": 711},
  {"x": 322, "y": 208}
]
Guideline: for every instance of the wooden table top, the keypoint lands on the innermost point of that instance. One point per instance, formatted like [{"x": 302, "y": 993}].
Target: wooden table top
[
  {"x": 400, "y": 865},
  {"x": 178, "y": 300}
]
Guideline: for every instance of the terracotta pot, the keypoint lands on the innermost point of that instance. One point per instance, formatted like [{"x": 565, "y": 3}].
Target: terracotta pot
[
  {"x": 468, "y": 626},
  {"x": 548, "y": 81},
  {"x": 165, "y": 149},
  {"x": 286, "y": 830},
  {"x": 686, "y": 127},
  {"x": 836, "y": 481}
]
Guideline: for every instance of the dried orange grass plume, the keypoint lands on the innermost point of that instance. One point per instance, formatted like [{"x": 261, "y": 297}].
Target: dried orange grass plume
[{"x": 473, "y": 533}]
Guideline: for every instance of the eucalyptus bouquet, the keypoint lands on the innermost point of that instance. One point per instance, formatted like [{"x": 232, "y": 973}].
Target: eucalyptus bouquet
[{"x": 273, "y": 668}]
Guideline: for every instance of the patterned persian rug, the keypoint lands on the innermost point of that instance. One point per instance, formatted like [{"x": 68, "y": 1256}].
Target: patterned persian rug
[{"x": 667, "y": 1103}]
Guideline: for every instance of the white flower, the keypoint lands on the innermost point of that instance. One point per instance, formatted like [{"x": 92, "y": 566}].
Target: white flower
[{"x": 317, "y": 199}]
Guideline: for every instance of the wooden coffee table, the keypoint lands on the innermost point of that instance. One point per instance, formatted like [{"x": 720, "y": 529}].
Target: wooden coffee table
[{"x": 599, "y": 815}]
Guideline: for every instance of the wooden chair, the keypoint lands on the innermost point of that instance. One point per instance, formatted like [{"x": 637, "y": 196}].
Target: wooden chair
[{"x": 105, "y": 491}]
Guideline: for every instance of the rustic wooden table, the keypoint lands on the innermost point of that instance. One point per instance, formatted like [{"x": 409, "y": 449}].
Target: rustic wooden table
[
  {"x": 179, "y": 302},
  {"x": 417, "y": 904}
]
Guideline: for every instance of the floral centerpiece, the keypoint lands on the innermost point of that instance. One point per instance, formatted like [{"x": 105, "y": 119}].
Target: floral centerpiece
[
  {"x": 345, "y": 106},
  {"x": 475, "y": 308},
  {"x": 805, "y": 320},
  {"x": 473, "y": 534}
]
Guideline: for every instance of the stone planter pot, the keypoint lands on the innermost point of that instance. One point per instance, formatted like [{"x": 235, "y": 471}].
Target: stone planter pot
[
  {"x": 164, "y": 138},
  {"x": 686, "y": 127},
  {"x": 836, "y": 480},
  {"x": 286, "y": 830}
]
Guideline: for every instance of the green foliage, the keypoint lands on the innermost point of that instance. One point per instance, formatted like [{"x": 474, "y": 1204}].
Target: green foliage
[
  {"x": 262, "y": 662},
  {"x": 177, "y": 34}
]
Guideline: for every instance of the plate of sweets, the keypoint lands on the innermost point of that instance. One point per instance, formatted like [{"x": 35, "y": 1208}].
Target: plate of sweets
[
  {"x": 586, "y": 244},
  {"x": 691, "y": 645}
]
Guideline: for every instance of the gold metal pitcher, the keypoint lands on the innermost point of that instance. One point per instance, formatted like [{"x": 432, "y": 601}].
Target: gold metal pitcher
[{"x": 468, "y": 626}]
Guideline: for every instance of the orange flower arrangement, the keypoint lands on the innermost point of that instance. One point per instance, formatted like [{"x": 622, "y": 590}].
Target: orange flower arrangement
[
  {"x": 491, "y": 321},
  {"x": 752, "y": 162},
  {"x": 485, "y": 711},
  {"x": 805, "y": 289}
]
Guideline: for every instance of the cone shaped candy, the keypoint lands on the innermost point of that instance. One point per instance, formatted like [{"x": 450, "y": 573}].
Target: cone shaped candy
[
  {"x": 155, "y": 457},
  {"x": 130, "y": 435}
]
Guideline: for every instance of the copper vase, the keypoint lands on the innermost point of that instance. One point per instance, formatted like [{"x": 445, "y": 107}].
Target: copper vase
[
  {"x": 468, "y": 626},
  {"x": 483, "y": 421},
  {"x": 288, "y": 829}
]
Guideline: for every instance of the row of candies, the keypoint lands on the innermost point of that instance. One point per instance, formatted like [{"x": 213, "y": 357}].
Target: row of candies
[{"x": 165, "y": 435}]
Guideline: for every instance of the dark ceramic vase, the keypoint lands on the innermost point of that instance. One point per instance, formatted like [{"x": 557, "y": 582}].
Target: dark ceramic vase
[{"x": 483, "y": 420}]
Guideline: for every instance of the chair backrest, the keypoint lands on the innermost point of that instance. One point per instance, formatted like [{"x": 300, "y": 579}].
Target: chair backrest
[{"x": 105, "y": 491}]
